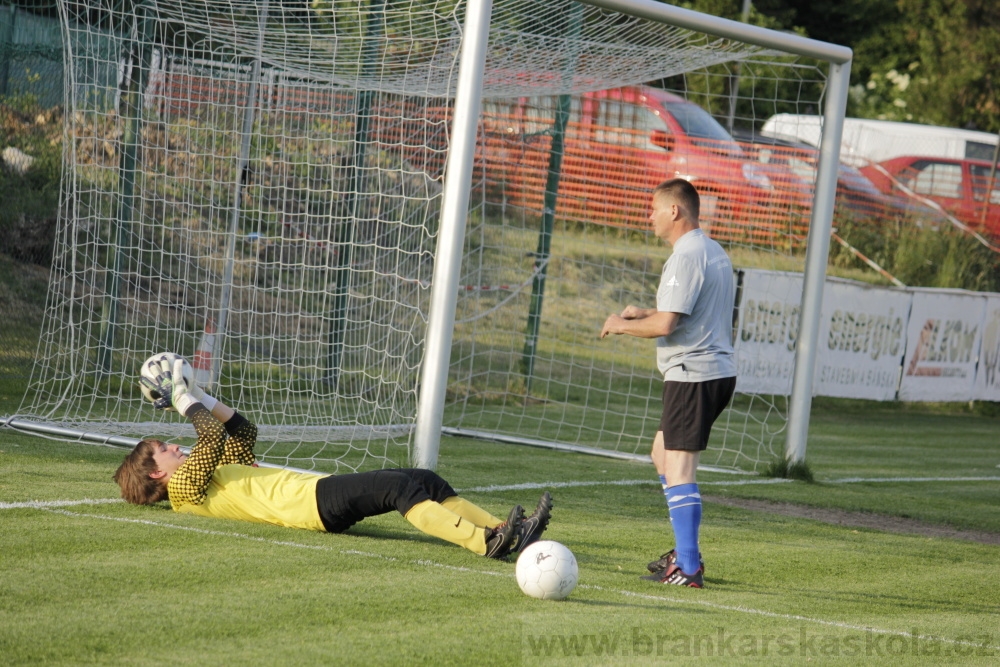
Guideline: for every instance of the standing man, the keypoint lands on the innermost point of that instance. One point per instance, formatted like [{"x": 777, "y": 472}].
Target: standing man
[{"x": 692, "y": 323}]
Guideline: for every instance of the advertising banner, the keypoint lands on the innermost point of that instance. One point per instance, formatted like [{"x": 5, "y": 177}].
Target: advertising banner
[
  {"x": 768, "y": 327},
  {"x": 942, "y": 345},
  {"x": 862, "y": 340},
  {"x": 988, "y": 370}
]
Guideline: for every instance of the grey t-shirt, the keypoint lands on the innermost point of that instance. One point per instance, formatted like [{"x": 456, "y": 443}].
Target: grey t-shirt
[{"x": 697, "y": 281}]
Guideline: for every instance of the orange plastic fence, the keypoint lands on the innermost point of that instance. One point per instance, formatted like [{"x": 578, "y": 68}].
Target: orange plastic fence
[
  {"x": 758, "y": 194},
  {"x": 610, "y": 184}
]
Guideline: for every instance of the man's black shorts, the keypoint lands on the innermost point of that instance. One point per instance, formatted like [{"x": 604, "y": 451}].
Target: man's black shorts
[{"x": 690, "y": 409}]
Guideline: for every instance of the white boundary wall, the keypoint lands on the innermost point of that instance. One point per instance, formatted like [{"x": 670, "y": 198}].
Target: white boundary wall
[
  {"x": 988, "y": 373},
  {"x": 876, "y": 343},
  {"x": 862, "y": 341},
  {"x": 942, "y": 352},
  {"x": 767, "y": 332}
]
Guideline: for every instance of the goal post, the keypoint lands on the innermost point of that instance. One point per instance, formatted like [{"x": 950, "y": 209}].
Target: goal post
[
  {"x": 817, "y": 254},
  {"x": 451, "y": 236}
]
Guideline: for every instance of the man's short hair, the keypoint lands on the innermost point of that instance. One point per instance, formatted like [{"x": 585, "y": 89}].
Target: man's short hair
[
  {"x": 133, "y": 475},
  {"x": 684, "y": 194}
]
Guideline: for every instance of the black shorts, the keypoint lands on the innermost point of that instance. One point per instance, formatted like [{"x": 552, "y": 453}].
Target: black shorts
[
  {"x": 343, "y": 500},
  {"x": 690, "y": 409}
]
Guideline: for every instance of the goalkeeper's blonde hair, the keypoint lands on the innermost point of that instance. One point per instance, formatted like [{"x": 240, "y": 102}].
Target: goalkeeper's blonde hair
[{"x": 133, "y": 475}]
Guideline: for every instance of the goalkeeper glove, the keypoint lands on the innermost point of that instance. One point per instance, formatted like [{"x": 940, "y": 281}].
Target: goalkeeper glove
[
  {"x": 183, "y": 397},
  {"x": 170, "y": 391},
  {"x": 160, "y": 384},
  {"x": 193, "y": 390}
]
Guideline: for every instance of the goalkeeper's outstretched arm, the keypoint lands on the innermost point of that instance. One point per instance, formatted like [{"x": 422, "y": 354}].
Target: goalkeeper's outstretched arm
[
  {"x": 220, "y": 411},
  {"x": 238, "y": 448},
  {"x": 224, "y": 438}
]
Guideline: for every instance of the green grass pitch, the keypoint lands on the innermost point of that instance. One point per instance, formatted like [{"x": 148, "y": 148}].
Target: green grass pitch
[{"x": 108, "y": 583}]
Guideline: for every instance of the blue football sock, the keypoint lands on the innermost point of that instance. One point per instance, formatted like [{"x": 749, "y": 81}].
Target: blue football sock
[{"x": 684, "y": 502}]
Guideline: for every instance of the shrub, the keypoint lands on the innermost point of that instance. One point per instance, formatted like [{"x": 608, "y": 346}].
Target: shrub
[
  {"x": 30, "y": 200},
  {"x": 920, "y": 256}
]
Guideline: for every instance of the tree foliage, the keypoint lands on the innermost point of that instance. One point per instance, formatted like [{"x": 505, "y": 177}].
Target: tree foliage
[
  {"x": 926, "y": 61},
  {"x": 957, "y": 77}
]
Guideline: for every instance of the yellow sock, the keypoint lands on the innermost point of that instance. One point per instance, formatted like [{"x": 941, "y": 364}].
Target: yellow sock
[
  {"x": 435, "y": 519},
  {"x": 473, "y": 513}
]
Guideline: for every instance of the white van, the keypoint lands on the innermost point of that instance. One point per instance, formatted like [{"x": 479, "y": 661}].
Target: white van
[{"x": 866, "y": 141}]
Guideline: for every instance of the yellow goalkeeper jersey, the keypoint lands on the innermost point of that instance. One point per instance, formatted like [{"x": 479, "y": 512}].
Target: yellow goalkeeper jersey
[{"x": 218, "y": 480}]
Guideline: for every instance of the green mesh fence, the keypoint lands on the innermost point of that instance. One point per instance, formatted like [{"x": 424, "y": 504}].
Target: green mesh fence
[
  {"x": 31, "y": 90},
  {"x": 31, "y": 53}
]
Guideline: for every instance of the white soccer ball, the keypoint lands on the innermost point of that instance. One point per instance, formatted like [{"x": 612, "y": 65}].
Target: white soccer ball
[
  {"x": 151, "y": 368},
  {"x": 546, "y": 570}
]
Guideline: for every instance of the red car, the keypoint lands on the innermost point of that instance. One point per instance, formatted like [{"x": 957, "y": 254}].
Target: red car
[
  {"x": 857, "y": 196},
  {"x": 959, "y": 186},
  {"x": 619, "y": 144}
]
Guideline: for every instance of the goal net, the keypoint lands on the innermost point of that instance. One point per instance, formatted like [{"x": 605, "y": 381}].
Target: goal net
[
  {"x": 257, "y": 186},
  {"x": 559, "y": 238}
]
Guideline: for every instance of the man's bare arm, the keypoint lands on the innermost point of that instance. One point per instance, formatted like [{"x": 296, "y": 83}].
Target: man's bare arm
[
  {"x": 636, "y": 313},
  {"x": 651, "y": 326}
]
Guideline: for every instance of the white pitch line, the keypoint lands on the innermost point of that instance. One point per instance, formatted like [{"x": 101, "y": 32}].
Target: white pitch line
[
  {"x": 45, "y": 504},
  {"x": 528, "y": 486},
  {"x": 876, "y": 480},
  {"x": 740, "y": 482},
  {"x": 455, "y": 568}
]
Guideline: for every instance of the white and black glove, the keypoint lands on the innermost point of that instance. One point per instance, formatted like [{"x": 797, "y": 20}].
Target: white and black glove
[{"x": 171, "y": 392}]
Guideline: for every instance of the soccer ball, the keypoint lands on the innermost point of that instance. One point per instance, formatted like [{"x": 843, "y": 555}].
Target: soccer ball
[
  {"x": 546, "y": 570},
  {"x": 151, "y": 368}
]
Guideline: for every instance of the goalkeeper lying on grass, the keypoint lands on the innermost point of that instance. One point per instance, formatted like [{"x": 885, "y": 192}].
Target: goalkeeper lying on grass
[{"x": 219, "y": 479}]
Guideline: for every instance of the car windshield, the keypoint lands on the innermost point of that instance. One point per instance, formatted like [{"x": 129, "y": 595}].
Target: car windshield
[
  {"x": 855, "y": 180},
  {"x": 847, "y": 176},
  {"x": 699, "y": 124},
  {"x": 983, "y": 177}
]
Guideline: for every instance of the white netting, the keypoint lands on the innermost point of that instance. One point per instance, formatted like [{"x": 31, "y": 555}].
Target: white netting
[
  {"x": 535, "y": 290},
  {"x": 257, "y": 186}
]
